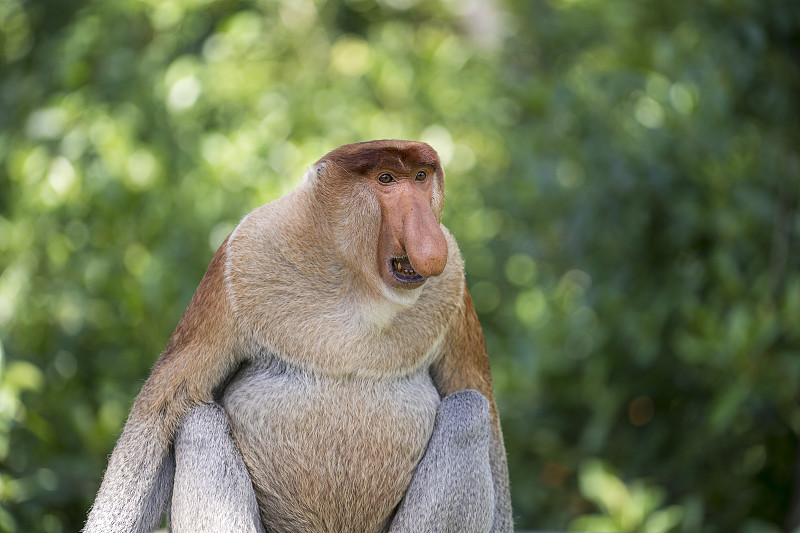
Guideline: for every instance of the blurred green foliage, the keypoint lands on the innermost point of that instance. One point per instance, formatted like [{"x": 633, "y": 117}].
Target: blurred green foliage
[
  {"x": 623, "y": 179},
  {"x": 634, "y": 508}
]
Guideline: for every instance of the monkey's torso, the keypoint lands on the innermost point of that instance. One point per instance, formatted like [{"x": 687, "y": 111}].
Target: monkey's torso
[
  {"x": 329, "y": 454},
  {"x": 333, "y": 420}
]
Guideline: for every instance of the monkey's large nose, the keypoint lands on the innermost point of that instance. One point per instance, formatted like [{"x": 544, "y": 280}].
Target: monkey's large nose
[{"x": 424, "y": 240}]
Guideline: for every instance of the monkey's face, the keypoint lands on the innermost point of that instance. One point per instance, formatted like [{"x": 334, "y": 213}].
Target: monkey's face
[
  {"x": 405, "y": 180},
  {"x": 411, "y": 246}
]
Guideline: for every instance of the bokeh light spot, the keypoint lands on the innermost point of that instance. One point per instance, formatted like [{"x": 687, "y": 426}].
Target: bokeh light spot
[
  {"x": 184, "y": 93},
  {"x": 681, "y": 98},
  {"x": 351, "y": 56},
  {"x": 649, "y": 113},
  {"x": 520, "y": 269},
  {"x": 570, "y": 173},
  {"x": 441, "y": 140},
  {"x": 531, "y": 307},
  {"x": 641, "y": 410}
]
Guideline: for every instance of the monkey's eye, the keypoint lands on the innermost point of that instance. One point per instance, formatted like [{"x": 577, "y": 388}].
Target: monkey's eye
[
  {"x": 385, "y": 178},
  {"x": 421, "y": 176}
]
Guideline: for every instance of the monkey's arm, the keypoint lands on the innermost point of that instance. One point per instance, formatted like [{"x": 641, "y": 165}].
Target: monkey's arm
[
  {"x": 213, "y": 490},
  {"x": 464, "y": 364},
  {"x": 199, "y": 357},
  {"x": 452, "y": 488}
]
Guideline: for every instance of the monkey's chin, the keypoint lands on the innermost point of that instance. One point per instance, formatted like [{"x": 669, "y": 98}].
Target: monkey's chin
[{"x": 400, "y": 297}]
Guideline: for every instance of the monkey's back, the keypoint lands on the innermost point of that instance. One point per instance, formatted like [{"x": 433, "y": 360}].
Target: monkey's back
[{"x": 329, "y": 454}]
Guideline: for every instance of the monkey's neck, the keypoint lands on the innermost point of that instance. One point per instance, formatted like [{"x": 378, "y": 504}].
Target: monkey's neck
[{"x": 317, "y": 313}]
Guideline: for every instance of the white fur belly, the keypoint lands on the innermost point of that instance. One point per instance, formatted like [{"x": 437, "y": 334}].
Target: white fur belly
[{"x": 329, "y": 454}]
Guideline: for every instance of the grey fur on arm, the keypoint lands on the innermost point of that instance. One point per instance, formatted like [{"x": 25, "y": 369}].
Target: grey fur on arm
[
  {"x": 213, "y": 491},
  {"x": 141, "y": 470},
  {"x": 452, "y": 489}
]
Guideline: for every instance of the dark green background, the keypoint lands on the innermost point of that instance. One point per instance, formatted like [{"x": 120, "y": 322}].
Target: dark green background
[{"x": 623, "y": 179}]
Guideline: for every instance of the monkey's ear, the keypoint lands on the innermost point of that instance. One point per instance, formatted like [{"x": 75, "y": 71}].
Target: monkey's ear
[
  {"x": 315, "y": 173},
  {"x": 320, "y": 169}
]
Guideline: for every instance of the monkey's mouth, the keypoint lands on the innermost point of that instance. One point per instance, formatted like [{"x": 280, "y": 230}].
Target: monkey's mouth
[{"x": 402, "y": 271}]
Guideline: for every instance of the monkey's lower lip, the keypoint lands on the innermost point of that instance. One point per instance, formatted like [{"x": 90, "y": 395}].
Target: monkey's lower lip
[{"x": 402, "y": 271}]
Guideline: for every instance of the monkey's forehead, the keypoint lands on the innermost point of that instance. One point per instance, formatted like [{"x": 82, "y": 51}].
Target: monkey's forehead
[{"x": 361, "y": 158}]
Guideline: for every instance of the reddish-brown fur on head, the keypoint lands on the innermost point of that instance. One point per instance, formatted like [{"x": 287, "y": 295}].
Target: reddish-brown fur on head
[
  {"x": 407, "y": 180},
  {"x": 362, "y": 158}
]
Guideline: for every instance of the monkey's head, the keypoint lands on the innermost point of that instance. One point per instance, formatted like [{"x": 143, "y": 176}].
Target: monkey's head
[{"x": 385, "y": 199}]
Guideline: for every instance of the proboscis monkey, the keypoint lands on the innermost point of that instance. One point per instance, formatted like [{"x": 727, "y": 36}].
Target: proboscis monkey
[{"x": 324, "y": 375}]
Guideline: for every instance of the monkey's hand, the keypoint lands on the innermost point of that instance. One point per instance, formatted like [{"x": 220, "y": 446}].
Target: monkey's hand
[
  {"x": 212, "y": 490},
  {"x": 452, "y": 488}
]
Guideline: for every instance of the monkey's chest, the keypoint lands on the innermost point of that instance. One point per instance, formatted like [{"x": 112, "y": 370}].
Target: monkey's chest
[{"x": 329, "y": 454}]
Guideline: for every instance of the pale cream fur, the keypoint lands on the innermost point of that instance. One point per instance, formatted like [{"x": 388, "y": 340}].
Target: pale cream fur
[{"x": 352, "y": 323}]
